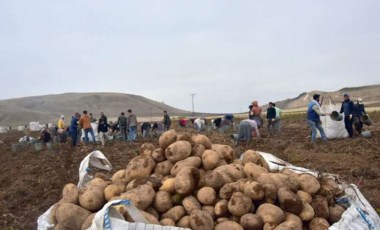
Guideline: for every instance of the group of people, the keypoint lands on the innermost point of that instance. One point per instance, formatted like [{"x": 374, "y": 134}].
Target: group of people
[
  {"x": 250, "y": 127},
  {"x": 353, "y": 116}
]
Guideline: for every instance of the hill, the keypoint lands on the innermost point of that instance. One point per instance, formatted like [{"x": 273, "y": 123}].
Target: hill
[
  {"x": 370, "y": 95},
  {"x": 48, "y": 108}
]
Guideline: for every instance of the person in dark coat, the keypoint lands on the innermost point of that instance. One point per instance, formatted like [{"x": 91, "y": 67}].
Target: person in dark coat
[
  {"x": 167, "y": 122},
  {"x": 359, "y": 111},
  {"x": 271, "y": 117},
  {"x": 74, "y": 129},
  {"x": 348, "y": 110},
  {"x": 102, "y": 131}
]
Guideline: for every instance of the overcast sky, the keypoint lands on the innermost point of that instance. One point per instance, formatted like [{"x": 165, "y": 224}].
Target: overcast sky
[{"x": 227, "y": 52}]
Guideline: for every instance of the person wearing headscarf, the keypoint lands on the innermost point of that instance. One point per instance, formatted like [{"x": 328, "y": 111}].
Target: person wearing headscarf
[
  {"x": 248, "y": 128},
  {"x": 255, "y": 113},
  {"x": 359, "y": 111}
]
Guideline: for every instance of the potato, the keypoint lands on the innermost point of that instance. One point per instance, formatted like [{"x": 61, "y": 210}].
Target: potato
[
  {"x": 149, "y": 217},
  {"x": 270, "y": 192},
  {"x": 202, "y": 139},
  {"x": 271, "y": 214},
  {"x": 186, "y": 180},
  {"x": 239, "y": 204},
  {"x": 164, "y": 168},
  {"x": 231, "y": 172},
  {"x": 290, "y": 217},
  {"x": 323, "y": 191},
  {"x": 184, "y": 137},
  {"x": 287, "y": 225},
  {"x": 307, "y": 212},
  {"x": 330, "y": 184},
  {"x": 254, "y": 157},
  {"x": 253, "y": 171},
  {"x": 121, "y": 184},
  {"x": 207, "y": 196},
  {"x": 225, "y": 152},
  {"x": 70, "y": 216},
  {"x": 221, "y": 219},
  {"x": 309, "y": 183},
  {"x": 92, "y": 198},
  {"x": 251, "y": 221},
  {"x": 230, "y": 225},
  {"x": 336, "y": 212},
  {"x": 228, "y": 189},
  {"x": 178, "y": 151},
  {"x": 167, "y": 138},
  {"x": 215, "y": 180},
  {"x": 198, "y": 150},
  {"x": 210, "y": 159},
  {"x": 202, "y": 178},
  {"x": 221, "y": 208},
  {"x": 320, "y": 207},
  {"x": 88, "y": 222},
  {"x": 139, "y": 167},
  {"x": 184, "y": 222},
  {"x": 289, "y": 201},
  {"x": 168, "y": 185},
  {"x": 142, "y": 196},
  {"x": 102, "y": 176},
  {"x": 289, "y": 172},
  {"x": 97, "y": 182},
  {"x": 235, "y": 219},
  {"x": 279, "y": 180},
  {"x": 254, "y": 190},
  {"x": 190, "y": 204},
  {"x": 111, "y": 191},
  {"x": 158, "y": 155},
  {"x": 319, "y": 224},
  {"x": 70, "y": 193},
  {"x": 175, "y": 213},
  {"x": 152, "y": 211},
  {"x": 195, "y": 162},
  {"x": 119, "y": 175},
  {"x": 167, "y": 222},
  {"x": 147, "y": 149},
  {"x": 201, "y": 220},
  {"x": 209, "y": 209},
  {"x": 269, "y": 226},
  {"x": 162, "y": 201},
  {"x": 305, "y": 197}
]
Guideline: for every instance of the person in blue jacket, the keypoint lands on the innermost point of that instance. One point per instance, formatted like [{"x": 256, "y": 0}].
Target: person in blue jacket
[
  {"x": 74, "y": 129},
  {"x": 348, "y": 110},
  {"x": 314, "y": 119},
  {"x": 359, "y": 111}
]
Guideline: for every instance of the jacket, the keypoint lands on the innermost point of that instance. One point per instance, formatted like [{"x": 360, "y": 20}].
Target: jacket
[
  {"x": 312, "y": 115},
  {"x": 271, "y": 113},
  {"x": 359, "y": 110},
  {"x": 132, "y": 120},
  {"x": 347, "y": 108},
  {"x": 85, "y": 122},
  {"x": 103, "y": 128},
  {"x": 122, "y": 121}
]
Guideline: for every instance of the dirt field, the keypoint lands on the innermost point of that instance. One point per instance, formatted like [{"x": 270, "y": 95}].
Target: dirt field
[{"x": 30, "y": 181}]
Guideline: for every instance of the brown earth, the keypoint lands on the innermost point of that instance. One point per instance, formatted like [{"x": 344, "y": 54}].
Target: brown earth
[{"x": 30, "y": 181}]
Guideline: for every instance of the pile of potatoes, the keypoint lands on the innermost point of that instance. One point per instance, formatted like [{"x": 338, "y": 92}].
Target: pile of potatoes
[{"x": 191, "y": 183}]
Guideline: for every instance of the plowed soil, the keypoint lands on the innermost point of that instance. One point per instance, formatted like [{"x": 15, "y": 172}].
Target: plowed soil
[{"x": 31, "y": 181}]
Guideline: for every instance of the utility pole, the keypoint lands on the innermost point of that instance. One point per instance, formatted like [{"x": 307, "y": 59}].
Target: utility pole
[{"x": 192, "y": 101}]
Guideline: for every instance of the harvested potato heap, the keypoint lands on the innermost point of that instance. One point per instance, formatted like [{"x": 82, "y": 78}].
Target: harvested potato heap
[{"x": 191, "y": 183}]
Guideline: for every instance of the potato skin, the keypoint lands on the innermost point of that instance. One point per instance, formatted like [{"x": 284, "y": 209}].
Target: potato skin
[
  {"x": 70, "y": 193},
  {"x": 184, "y": 222},
  {"x": 335, "y": 213},
  {"x": 178, "y": 151},
  {"x": 251, "y": 221},
  {"x": 111, "y": 190},
  {"x": 201, "y": 220},
  {"x": 142, "y": 196},
  {"x": 320, "y": 207},
  {"x": 164, "y": 168},
  {"x": 92, "y": 198},
  {"x": 221, "y": 209},
  {"x": 225, "y": 152},
  {"x": 253, "y": 171},
  {"x": 139, "y": 167},
  {"x": 167, "y": 222},
  {"x": 230, "y": 225},
  {"x": 207, "y": 196},
  {"x": 289, "y": 201},
  {"x": 195, "y": 162},
  {"x": 162, "y": 201},
  {"x": 203, "y": 140},
  {"x": 307, "y": 212},
  {"x": 186, "y": 180},
  {"x": 167, "y": 138},
  {"x": 239, "y": 204},
  {"x": 271, "y": 214},
  {"x": 309, "y": 183},
  {"x": 210, "y": 159},
  {"x": 87, "y": 223},
  {"x": 158, "y": 155},
  {"x": 254, "y": 190},
  {"x": 71, "y": 216},
  {"x": 175, "y": 213},
  {"x": 319, "y": 224},
  {"x": 190, "y": 203}
]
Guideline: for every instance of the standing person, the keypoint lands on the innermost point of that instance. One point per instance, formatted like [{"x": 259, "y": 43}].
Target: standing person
[
  {"x": 348, "y": 110},
  {"x": 103, "y": 117},
  {"x": 92, "y": 119},
  {"x": 277, "y": 122},
  {"x": 102, "y": 131},
  {"x": 74, "y": 129},
  {"x": 122, "y": 122},
  {"x": 359, "y": 111},
  {"x": 85, "y": 122},
  {"x": 314, "y": 120},
  {"x": 255, "y": 113},
  {"x": 132, "y": 126},
  {"x": 248, "y": 128},
  {"x": 62, "y": 129},
  {"x": 167, "y": 122},
  {"x": 271, "y": 116}
]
